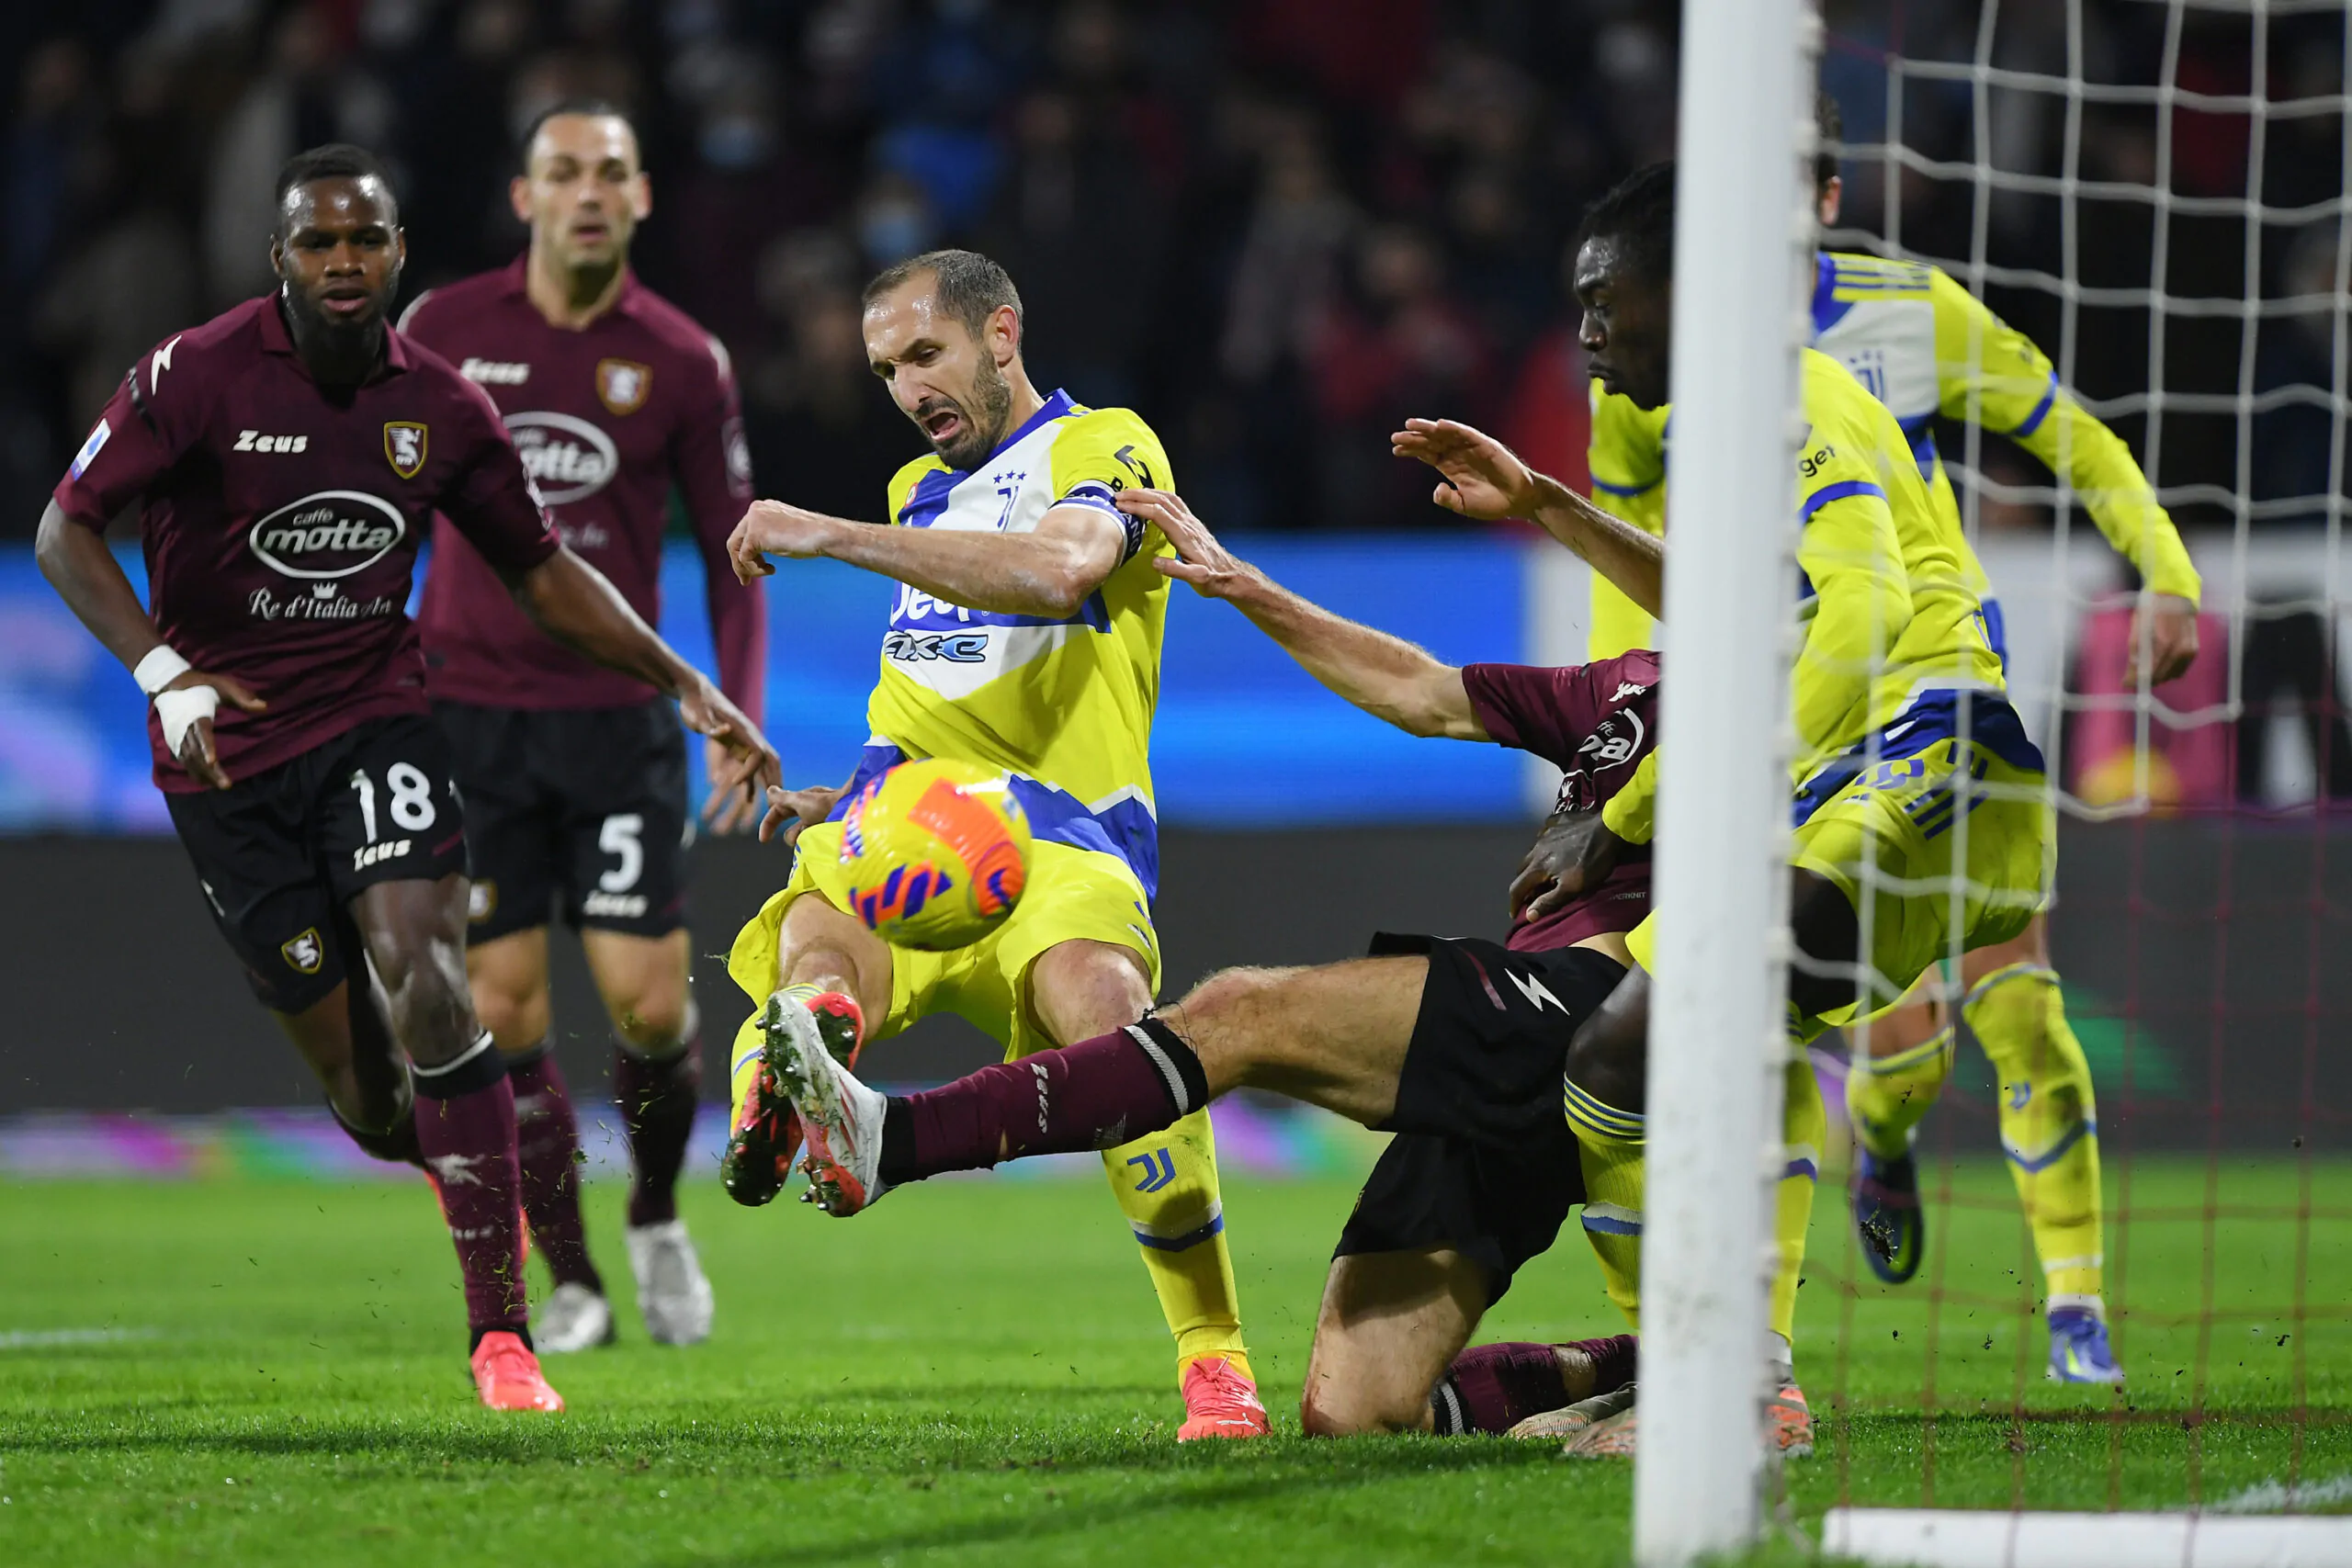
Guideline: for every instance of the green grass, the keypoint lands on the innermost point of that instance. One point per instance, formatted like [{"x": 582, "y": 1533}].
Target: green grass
[{"x": 977, "y": 1373}]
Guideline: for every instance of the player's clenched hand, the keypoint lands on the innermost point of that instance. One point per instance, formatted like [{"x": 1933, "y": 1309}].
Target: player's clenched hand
[
  {"x": 2170, "y": 627},
  {"x": 1572, "y": 855},
  {"x": 773, "y": 527},
  {"x": 1482, "y": 477},
  {"x": 750, "y": 764},
  {"x": 188, "y": 722},
  {"x": 802, "y": 808},
  {"x": 1214, "y": 571},
  {"x": 740, "y": 808}
]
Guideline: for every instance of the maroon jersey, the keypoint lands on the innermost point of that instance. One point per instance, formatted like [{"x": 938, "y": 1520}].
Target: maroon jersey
[
  {"x": 280, "y": 527},
  {"x": 1595, "y": 722},
  {"x": 608, "y": 418}
]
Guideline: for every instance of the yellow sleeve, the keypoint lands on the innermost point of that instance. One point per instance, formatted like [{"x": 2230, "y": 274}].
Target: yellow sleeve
[
  {"x": 1857, "y": 593},
  {"x": 1626, "y": 460},
  {"x": 903, "y": 482},
  {"x": 1632, "y": 812},
  {"x": 1989, "y": 371},
  {"x": 1101, "y": 453}
]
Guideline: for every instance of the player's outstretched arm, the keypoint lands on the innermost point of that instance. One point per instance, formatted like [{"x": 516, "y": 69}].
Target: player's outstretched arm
[
  {"x": 574, "y": 604},
  {"x": 1385, "y": 676},
  {"x": 88, "y": 577},
  {"x": 1048, "y": 571},
  {"x": 796, "y": 810},
  {"x": 1480, "y": 477}
]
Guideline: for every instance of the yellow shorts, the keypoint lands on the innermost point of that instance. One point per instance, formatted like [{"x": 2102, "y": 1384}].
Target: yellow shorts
[
  {"x": 1073, "y": 895},
  {"x": 1930, "y": 879}
]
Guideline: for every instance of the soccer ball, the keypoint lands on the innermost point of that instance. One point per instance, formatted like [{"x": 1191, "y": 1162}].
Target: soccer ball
[{"x": 937, "y": 853}]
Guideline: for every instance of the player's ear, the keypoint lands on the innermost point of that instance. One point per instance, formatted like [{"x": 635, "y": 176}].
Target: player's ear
[
  {"x": 518, "y": 197},
  {"x": 1004, "y": 335},
  {"x": 641, "y": 196},
  {"x": 1833, "y": 197}
]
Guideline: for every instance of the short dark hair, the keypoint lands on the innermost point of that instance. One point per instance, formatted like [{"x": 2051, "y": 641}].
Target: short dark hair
[
  {"x": 593, "y": 108},
  {"x": 969, "y": 287},
  {"x": 334, "y": 161},
  {"x": 1638, "y": 212},
  {"x": 1829, "y": 127}
]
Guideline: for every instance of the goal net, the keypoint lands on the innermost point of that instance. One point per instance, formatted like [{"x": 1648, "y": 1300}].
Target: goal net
[{"x": 2137, "y": 1150}]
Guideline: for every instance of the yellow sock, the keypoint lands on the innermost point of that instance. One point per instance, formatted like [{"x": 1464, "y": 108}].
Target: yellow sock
[
  {"x": 2049, "y": 1121},
  {"x": 1166, "y": 1185},
  {"x": 1886, "y": 1096},
  {"x": 1609, "y": 1144},
  {"x": 1804, "y": 1124},
  {"x": 743, "y": 1056}
]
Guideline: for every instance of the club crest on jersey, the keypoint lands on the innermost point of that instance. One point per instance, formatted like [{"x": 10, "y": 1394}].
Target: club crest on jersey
[
  {"x": 622, "y": 384},
  {"x": 304, "y": 953},
  {"x": 481, "y": 901},
  {"x": 404, "y": 446}
]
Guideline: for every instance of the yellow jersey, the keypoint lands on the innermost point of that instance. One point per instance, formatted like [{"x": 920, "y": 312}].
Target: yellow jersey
[
  {"x": 1888, "y": 594},
  {"x": 1064, "y": 706},
  {"x": 1923, "y": 346}
]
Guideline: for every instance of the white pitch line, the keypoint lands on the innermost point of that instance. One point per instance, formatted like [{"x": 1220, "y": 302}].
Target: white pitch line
[
  {"x": 2274, "y": 1497},
  {"x": 45, "y": 1339}
]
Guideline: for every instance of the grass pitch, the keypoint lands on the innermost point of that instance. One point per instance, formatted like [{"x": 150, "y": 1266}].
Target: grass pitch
[{"x": 263, "y": 1372}]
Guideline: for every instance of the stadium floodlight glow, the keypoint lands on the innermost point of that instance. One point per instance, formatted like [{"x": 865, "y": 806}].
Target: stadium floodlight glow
[{"x": 1743, "y": 247}]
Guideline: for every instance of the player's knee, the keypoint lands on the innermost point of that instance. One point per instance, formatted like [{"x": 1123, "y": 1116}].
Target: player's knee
[
  {"x": 1228, "y": 993},
  {"x": 1609, "y": 1059},
  {"x": 656, "y": 1022},
  {"x": 1331, "y": 1409},
  {"x": 517, "y": 1019}
]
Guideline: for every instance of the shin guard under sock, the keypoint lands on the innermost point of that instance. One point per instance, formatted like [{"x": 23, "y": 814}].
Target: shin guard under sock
[
  {"x": 2049, "y": 1121},
  {"x": 464, "y": 1125},
  {"x": 658, "y": 1094},
  {"x": 1887, "y": 1096},
  {"x": 1094, "y": 1095},
  {"x": 546, "y": 1150},
  {"x": 1804, "y": 1123},
  {"x": 1609, "y": 1143},
  {"x": 1166, "y": 1185}
]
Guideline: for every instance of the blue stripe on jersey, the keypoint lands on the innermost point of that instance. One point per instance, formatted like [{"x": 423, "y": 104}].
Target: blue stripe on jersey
[
  {"x": 1923, "y": 446},
  {"x": 1125, "y": 830},
  {"x": 1996, "y": 631},
  {"x": 2041, "y": 411},
  {"x": 1844, "y": 489},
  {"x": 928, "y": 498},
  {"x": 1828, "y": 309},
  {"x": 1599, "y": 483},
  {"x": 1983, "y": 717}
]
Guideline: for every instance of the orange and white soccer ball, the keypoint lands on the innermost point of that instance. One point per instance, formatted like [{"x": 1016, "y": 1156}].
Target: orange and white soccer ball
[{"x": 937, "y": 853}]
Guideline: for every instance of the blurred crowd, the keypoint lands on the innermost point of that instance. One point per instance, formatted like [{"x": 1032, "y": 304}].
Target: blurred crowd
[{"x": 1274, "y": 226}]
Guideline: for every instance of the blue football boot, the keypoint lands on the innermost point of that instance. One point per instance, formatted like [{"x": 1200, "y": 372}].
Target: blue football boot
[{"x": 2078, "y": 1348}]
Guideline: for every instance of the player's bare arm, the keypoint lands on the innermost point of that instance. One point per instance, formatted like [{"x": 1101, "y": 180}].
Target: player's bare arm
[
  {"x": 572, "y": 602},
  {"x": 1048, "y": 571},
  {"x": 88, "y": 577},
  {"x": 1480, "y": 477},
  {"x": 1386, "y": 676}
]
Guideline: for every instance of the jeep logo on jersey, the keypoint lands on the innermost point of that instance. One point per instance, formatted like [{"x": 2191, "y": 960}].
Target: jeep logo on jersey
[
  {"x": 568, "y": 458},
  {"x": 331, "y": 534}
]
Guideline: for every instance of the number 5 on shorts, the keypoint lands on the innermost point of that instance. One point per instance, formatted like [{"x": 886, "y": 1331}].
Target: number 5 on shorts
[{"x": 623, "y": 834}]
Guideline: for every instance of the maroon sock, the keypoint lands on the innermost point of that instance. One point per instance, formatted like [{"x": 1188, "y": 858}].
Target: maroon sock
[
  {"x": 465, "y": 1124},
  {"x": 1614, "y": 1359},
  {"x": 1492, "y": 1388},
  {"x": 1096, "y": 1094},
  {"x": 547, "y": 1142},
  {"x": 396, "y": 1145},
  {"x": 658, "y": 1097}
]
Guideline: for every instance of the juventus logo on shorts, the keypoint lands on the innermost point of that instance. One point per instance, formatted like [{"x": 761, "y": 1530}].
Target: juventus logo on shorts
[
  {"x": 304, "y": 953},
  {"x": 404, "y": 446}
]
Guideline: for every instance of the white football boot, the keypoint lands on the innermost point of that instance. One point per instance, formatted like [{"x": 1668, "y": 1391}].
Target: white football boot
[
  {"x": 841, "y": 1119},
  {"x": 672, "y": 1291},
  {"x": 573, "y": 1317}
]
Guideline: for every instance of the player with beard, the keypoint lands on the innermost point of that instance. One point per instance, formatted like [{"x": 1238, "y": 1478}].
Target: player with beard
[
  {"x": 575, "y": 775},
  {"x": 286, "y": 457},
  {"x": 1456, "y": 1045},
  {"x": 1025, "y": 636}
]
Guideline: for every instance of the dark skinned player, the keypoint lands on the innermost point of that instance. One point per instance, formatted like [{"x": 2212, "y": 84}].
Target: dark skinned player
[
  {"x": 286, "y": 457},
  {"x": 575, "y": 775}
]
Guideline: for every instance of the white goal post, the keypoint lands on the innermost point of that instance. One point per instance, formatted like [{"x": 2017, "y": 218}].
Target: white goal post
[{"x": 1744, "y": 240}]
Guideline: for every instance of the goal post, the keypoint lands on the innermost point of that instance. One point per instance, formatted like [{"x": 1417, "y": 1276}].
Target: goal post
[{"x": 1743, "y": 243}]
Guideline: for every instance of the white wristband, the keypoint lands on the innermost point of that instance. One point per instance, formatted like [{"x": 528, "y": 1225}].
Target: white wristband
[
  {"x": 178, "y": 710},
  {"x": 162, "y": 666}
]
